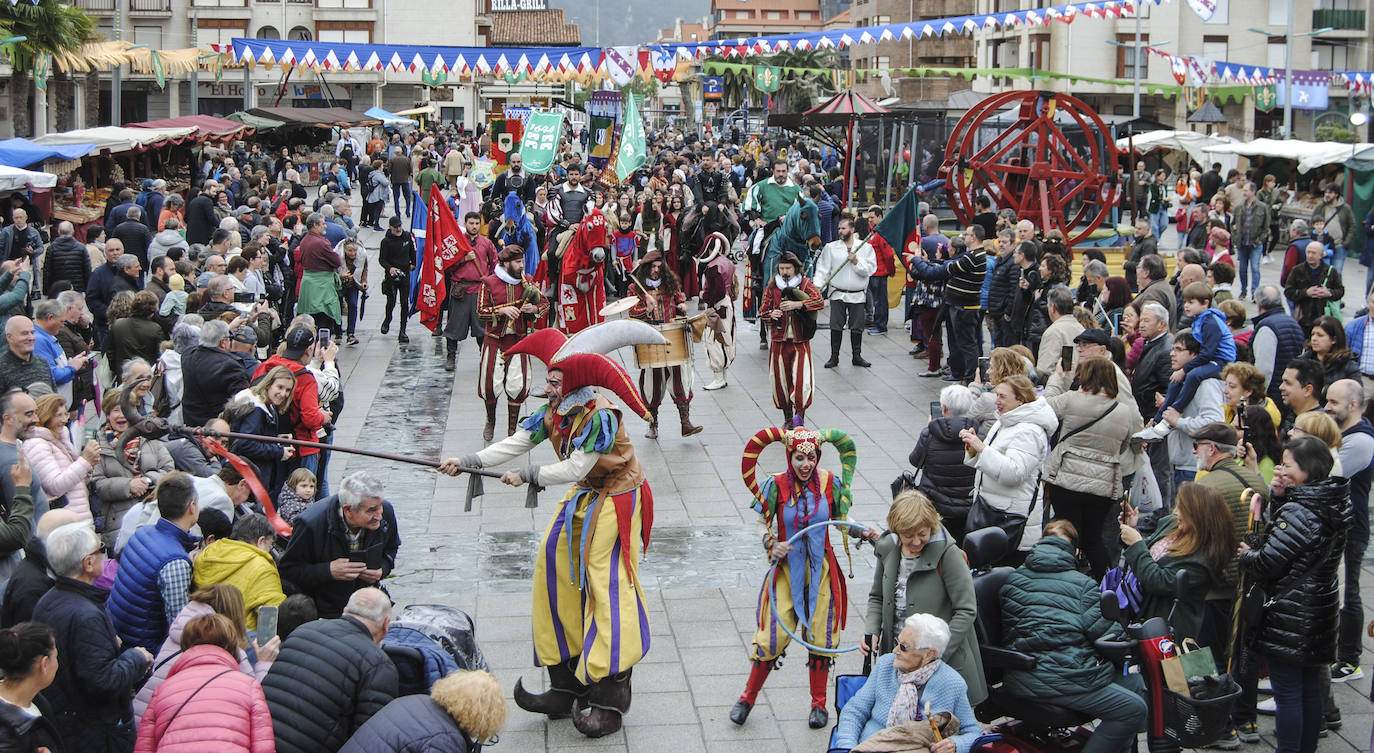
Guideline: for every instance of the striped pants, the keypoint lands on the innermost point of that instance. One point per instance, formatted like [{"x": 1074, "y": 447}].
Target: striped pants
[
  {"x": 657, "y": 383},
  {"x": 500, "y": 374},
  {"x": 789, "y": 367},
  {"x": 587, "y": 601},
  {"x": 770, "y": 640}
]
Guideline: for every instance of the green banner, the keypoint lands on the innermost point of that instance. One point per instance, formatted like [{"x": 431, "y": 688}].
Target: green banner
[
  {"x": 632, "y": 152},
  {"x": 767, "y": 78},
  {"x": 539, "y": 146}
]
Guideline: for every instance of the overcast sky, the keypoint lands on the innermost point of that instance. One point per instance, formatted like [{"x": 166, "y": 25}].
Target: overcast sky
[{"x": 629, "y": 21}]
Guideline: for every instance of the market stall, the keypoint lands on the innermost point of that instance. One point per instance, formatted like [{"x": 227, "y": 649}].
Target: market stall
[
  {"x": 210, "y": 129},
  {"x": 313, "y": 155},
  {"x": 1189, "y": 145},
  {"x": 390, "y": 119}
]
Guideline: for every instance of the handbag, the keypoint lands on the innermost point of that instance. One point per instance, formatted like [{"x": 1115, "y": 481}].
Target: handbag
[
  {"x": 983, "y": 515},
  {"x": 1333, "y": 306}
]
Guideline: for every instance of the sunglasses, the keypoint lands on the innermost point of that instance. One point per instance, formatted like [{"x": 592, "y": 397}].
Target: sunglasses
[
  {"x": 902, "y": 648},
  {"x": 104, "y": 549}
]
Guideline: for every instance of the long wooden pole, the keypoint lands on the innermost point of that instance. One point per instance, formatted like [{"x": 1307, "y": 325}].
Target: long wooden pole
[{"x": 322, "y": 446}]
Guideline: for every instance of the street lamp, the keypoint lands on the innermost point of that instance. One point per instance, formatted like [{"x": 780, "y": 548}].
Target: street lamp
[
  {"x": 1289, "y": 36},
  {"x": 1357, "y": 121}
]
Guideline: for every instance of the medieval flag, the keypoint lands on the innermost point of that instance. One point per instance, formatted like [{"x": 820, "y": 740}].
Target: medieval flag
[{"x": 445, "y": 245}]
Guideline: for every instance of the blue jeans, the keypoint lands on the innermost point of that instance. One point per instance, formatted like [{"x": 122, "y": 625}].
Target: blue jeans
[
  {"x": 1338, "y": 259},
  {"x": 397, "y": 191},
  {"x": 351, "y": 297},
  {"x": 1180, "y": 395},
  {"x": 1249, "y": 258},
  {"x": 1159, "y": 222},
  {"x": 318, "y": 464},
  {"x": 877, "y": 301},
  {"x": 1298, "y": 705}
]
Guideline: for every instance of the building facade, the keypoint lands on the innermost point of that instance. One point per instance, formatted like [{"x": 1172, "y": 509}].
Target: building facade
[
  {"x": 949, "y": 52},
  {"x": 1246, "y": 32}
]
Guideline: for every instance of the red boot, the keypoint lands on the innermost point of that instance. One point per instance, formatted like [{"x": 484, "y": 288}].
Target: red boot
[
  {"x": 740, "y": 712},
  {"x": 818, "y": 667}
]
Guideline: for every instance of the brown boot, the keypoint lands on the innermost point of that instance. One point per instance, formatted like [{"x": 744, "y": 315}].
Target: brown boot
[
  {"x": 652, "y": 433},
  {"x": 512, "y": 419},
  {"x": 451, "y": 359},
  {"x": 600, "y": 712},
  {"x": 684, "y": 411},
  {"x": 490, "y": 430}
]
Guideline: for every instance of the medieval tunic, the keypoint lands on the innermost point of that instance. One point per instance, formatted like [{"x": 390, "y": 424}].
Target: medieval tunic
[
  {"x": 663, "y": 312},
  {"x": 789, "y": 352},
  {"x": 497, "y": 373}
]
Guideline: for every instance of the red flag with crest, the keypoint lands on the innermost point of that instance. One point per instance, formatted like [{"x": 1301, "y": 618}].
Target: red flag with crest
[{"x": 445, "y": 245}]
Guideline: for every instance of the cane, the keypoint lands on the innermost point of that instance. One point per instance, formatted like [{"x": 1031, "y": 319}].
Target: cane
[{"x": 1247, "y": 497}]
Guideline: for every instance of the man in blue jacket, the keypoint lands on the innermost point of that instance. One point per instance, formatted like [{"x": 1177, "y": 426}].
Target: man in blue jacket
[{"x": 154, "y": 579}]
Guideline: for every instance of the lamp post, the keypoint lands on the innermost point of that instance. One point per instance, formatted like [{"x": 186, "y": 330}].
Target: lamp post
[
  {"x": 1357, "y": 121},
  {"x": 1289, "y": 36}
]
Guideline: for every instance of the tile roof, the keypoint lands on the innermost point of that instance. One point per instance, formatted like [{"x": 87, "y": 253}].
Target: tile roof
[{"x": 533, "y": 28}]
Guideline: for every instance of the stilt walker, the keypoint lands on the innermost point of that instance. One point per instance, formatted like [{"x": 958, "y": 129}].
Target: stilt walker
[
  {"x": 590, "y": 620},
  {"x": 806, "y": 594},
  {"x": 511, "y": 307},
  {"x": 790, "y": 306},
  {"x": 719, "y": 292},
  {"x": 662, "y": 302}
]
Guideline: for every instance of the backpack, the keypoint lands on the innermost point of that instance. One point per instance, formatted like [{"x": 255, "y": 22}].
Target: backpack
[{"x": 162, "y": 394}]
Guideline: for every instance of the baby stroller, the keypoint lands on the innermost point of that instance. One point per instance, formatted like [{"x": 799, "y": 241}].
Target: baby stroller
[{"x": 428, "y": 641}]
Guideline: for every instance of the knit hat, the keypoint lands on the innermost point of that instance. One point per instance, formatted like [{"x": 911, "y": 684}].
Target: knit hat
[{"x": 176, "y": 282}]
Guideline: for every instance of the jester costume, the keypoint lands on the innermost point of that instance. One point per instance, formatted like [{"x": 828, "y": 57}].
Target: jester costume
[
  {"x": 799, "y": 233},
  {"x": 662, "y": 308},
  {"x": 591, "y": 624},
  {"x": 807, "y": 587},
  {"x": 499, "y": 373}
]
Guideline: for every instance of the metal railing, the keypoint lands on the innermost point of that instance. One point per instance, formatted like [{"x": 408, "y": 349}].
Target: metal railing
[
  {"x": 107, "y": 6},
  {"x": 150, "y": 6},
  {"x": 1324, "y": 18}
]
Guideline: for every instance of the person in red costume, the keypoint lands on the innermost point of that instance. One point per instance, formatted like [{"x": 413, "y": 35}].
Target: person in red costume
[{"x": 582, "y": 284}]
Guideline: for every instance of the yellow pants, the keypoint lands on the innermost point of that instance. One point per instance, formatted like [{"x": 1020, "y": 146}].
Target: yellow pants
[
  {"x": 603, "y": 622},
  {"x": 770, "y": 640}
]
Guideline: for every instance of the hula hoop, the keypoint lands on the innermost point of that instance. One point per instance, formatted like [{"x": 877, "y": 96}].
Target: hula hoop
[{"x": 773, "y": 603}]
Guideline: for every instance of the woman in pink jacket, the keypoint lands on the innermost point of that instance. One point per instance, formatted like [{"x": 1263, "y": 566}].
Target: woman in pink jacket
[
  {"x": 50, "y": 451},
  {"x": 207, "y": 704}
]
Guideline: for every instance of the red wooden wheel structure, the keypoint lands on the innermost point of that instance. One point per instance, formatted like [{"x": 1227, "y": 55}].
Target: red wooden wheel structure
[{"x": 1056, "y": 172}]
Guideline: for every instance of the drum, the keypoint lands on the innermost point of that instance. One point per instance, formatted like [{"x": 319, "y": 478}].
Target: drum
[{"x": 678, "y": 351}]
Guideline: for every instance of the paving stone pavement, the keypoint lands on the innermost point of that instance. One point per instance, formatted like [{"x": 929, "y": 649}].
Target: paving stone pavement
[{"x": 704, "y": 566}]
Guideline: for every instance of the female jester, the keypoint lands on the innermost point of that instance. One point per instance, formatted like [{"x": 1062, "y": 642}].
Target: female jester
[
  {"x": 807, "y": 585},
  {"x": 591, "y": 625}
]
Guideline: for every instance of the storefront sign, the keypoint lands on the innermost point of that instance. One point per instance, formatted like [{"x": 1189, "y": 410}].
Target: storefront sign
[{"x": 501, "y": 6}]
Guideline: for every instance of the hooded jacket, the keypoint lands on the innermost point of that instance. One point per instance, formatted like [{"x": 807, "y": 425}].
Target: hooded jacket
[
  {"x": 939, "y": 456},
  {"x": 1091, "y": 461},
  {"x": 165, "y": 241},
  {"x": 1296, "y": 561},
  {"x": 412, "y": 724},
  {"x": 206, "y": 704},
  {"x": 1051, "y": 611},
  {"x": 1008, "y": 468},
  {"x": 167, "y": 657},
  {"x": 60, "y": 468},
  {"x": 240, "y": 564}
]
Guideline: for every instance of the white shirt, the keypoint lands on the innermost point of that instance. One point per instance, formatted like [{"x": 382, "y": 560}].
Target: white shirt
[{"x": 849, "y": 283}]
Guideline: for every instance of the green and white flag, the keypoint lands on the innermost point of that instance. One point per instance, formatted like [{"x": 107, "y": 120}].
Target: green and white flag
[
  {"x": 539, "y": 146},
  {"x": 632, "y": 152}
]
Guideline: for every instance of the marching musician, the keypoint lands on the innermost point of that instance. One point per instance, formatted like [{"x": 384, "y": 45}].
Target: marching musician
[
  {"x": 790, "y": 305},
  {"x": 719, "y": 291},
  {"x": 662, "y": 302},
  {"x": 510, "y": 306}
]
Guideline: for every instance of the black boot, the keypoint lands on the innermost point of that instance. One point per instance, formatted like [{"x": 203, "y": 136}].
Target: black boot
[
  {"x": 451, "y": 360},
  {"x": 856, "y": 340},
  {"x": 557, "y": 703},
  {"x": 600, "y": 712},
  {"x": 386, "y": 323},
  {"x": 836, "y": 337}
]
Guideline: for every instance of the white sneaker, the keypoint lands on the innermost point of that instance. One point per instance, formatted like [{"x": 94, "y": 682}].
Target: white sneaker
[
  {"x": 1266, "y": 707},
  {"x": 1154, "y": 431},
  {"x": 1265, "y": 686},
  {"x": 717, "y": 383}
]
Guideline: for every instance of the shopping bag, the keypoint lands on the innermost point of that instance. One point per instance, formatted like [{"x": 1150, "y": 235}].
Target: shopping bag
[
  {"x": 1192, "y": 661},
  {"x": 1144, "y": 494}
]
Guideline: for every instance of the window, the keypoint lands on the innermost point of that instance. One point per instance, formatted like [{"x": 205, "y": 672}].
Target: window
[
  {"x": 1278, "y": 47},
  {"x": 774, "y": 15},
  {"x": 741, "y": 14},
  {"x": 883, "y": 62},
  {"x": 1128, "y": 56},
  {"x": 1222, "y": 14},
  {"x": 300, "y": 33},
  {"x": 348, "y": 32},
  {"x": 803, "y": 15},
  {"x": 1214, "y": 47},
  {"x": 882, "y": 20},
  {"x": 1278, "y": 12},
  {"x": 1330, "y": 57},
  {"x": 1040, "y": 50},
  {"x": 148, "y": 35},
  {"x": 269, "y": 32},
  {"x": 219, "y": 31},
  {"x": 343, "y": 3}
]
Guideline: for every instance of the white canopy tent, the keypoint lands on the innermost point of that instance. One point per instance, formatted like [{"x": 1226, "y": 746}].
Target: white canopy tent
[
  {"x": 1196, "y": 145},
  {"x": 15, "y": 179},
  {"x": 115, "y": 138},
  {"x": 1309, "y": 154}
]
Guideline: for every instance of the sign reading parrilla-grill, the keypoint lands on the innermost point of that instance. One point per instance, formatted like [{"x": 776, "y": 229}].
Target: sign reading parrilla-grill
[{"x": 509, "y": 5}]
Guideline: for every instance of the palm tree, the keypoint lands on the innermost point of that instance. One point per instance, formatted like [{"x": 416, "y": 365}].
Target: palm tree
[{"x": 49, "y": 28}]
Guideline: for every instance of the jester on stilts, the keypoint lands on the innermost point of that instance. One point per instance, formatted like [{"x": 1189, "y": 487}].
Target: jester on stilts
[
  {"x": 591, "y": 624},
  {"x": 806, "y": 586}
]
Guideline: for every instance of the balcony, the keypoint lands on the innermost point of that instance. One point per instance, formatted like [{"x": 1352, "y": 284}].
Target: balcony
[
  {"x": 220, "y": 3},
  {"x": 97, "y": 7},
  {"x": 150, "y": 8},
  {"x": 1341, "y": 20}
]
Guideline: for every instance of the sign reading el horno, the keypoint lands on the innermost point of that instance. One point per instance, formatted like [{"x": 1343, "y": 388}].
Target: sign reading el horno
[{"x": 510, "y": 5}]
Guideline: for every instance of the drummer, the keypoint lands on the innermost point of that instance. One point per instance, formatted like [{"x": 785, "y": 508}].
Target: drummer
[{"x": 661, "y": 302}]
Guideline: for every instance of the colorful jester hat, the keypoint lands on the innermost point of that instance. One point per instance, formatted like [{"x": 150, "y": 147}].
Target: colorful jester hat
[
  {"x": 582, "y": 358},
  {"x": 806, "y": 439}
]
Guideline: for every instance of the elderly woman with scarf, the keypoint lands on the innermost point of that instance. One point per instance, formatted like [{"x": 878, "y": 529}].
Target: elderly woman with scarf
[
  {"x": 805, "y": 593},
  {"x": 517, "y": 229},
  {"x": 905, "y": 685}
]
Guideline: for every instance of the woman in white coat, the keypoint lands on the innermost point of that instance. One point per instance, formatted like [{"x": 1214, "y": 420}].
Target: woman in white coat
[{"x": 1008, "y": 462}]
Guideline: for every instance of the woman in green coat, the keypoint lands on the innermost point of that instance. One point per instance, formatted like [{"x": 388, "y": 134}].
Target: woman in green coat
[
  {"x": 1200, "y": 538},
  {"x": 920, "y": 569}
]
